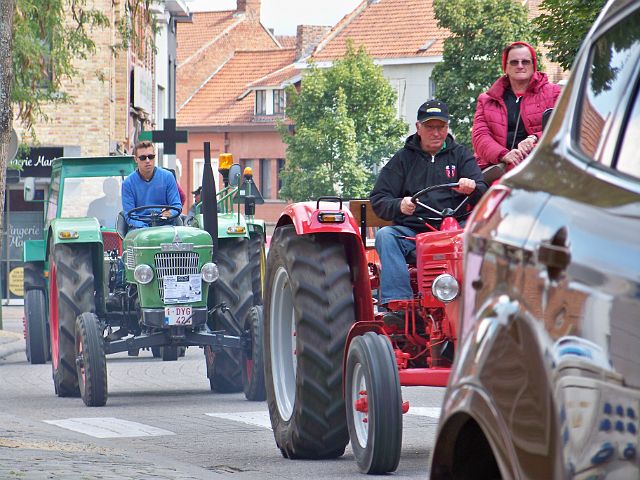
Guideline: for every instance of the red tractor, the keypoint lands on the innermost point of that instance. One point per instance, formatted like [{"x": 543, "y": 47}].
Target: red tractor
[{"x": 334, "y": 363}]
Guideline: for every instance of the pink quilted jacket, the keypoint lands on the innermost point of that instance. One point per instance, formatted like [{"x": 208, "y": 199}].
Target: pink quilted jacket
[{"x": 489, "y": 132}]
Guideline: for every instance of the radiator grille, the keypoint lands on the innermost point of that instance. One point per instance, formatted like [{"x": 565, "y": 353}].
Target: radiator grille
[
  {"x": 428, "y": 274},
  {"x": 130, "y": 260},
  {"x": 174, "y": 263}
]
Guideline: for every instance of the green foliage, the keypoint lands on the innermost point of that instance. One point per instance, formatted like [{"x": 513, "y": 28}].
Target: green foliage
[
  {"x": 345, "y": 124},
  {"x": 472, "y": 58},
  {"x": 564, "y": 26},
  {"x": 49, "y": 36}
]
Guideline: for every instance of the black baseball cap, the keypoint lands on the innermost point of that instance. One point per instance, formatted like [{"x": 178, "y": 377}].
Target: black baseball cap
[
  {"x": 433, "y": 109},
  {"x": 197, "y": 190}
]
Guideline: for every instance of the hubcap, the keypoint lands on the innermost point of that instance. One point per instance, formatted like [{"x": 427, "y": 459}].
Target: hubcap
[
  {"x": 283, "y": 344},
  {"x": 360, "y": 407}
]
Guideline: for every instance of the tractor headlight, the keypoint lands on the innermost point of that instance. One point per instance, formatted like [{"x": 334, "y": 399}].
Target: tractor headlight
[
  {"x": 445, "y": 288},
  {"x": 210, "y": 272},
  {"x": 143, "y": 274}
]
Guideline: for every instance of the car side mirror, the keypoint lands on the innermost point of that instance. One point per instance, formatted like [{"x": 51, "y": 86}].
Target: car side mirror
[{"x": 29, "y": 189}]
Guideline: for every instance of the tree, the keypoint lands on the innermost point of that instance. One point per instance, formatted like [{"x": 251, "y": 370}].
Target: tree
[
  {"x": 564, "y": 25},
  {"x": 472, "y": 58},
  {"x": 345, "y": 124},
  {"x": 6, "y": 112}
]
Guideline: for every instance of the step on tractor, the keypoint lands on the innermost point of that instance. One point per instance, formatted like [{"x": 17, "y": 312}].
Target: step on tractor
[
  {"x": 335, "y": 359},
  {"x": 94, "y": 287}
]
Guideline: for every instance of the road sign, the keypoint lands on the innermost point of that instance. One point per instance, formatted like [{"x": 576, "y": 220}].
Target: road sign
[{"x": 169, "y": 137}]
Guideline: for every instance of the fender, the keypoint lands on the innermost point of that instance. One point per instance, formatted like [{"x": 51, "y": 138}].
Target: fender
[
  {"x": 85, "y": 230},
  {"x": 304, "y": 217}
]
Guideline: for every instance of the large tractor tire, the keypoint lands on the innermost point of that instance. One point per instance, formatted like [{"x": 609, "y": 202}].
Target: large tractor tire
[
  {"x": 91, "y": 361},
  {"x": 374, "y": 403},
  {"x": 72, "y": 292},
  {"x": 309, "y": 308},
  {"x": 224, "y": 368},
  {"x": 36, "y": 335},
  {"x": 258, "y": 261}
]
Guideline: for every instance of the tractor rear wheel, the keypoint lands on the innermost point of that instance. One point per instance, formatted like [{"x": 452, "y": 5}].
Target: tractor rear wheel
[
  {"x": 253, "y": 362},
  {"x": 258, "y": 261},
  {"x": 72, "y": 292},
  {"x": 309, "y": 308},
  {"x": 91, "y": 362},
  {"x": 224, "y": 367},
  {"x": 374, "y": 403},
  {"x": 36, "y": 336}
]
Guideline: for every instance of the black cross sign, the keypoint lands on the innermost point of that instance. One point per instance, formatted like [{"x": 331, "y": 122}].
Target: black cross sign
[{"x": 169, "y": 136}]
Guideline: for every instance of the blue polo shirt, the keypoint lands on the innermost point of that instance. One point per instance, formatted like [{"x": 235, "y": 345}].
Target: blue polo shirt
[{"x": 160, "y": 189}]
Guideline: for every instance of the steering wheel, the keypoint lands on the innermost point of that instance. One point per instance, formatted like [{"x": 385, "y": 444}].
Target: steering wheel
[
  {"x": 154, "y": 218},
  {"x": 447, "y": 212}
]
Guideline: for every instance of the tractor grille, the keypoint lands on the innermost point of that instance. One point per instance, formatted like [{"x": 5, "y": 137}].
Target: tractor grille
[
  {"x": 174, "y": 263},
  {"x": 131, "y": 259},
  {"x": 428, "y": 274}
]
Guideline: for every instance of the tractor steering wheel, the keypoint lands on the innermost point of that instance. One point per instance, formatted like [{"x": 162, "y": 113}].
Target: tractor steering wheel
[
  {"x": 154, "y": 218},
  {"x": 447, "y": 212}
]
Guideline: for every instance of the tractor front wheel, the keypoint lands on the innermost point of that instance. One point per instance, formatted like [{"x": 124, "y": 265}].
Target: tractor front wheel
[
  {"x": 72, "y": 292},
  {"x": 309, "y": 308},
  {"x": 37, "y": 342},
  {"x": 374, "y": 403},
  {"x": 253, "y": 361},
  {"x": 91, "y": 362},
  {"x": 224, "y": 367}
]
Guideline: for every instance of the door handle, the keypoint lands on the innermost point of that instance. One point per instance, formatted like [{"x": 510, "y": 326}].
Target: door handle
[{"x": 554, "y": 257}]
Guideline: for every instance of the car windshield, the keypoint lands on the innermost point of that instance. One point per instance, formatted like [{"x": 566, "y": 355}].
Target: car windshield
[{"x": 97, "y": 197}]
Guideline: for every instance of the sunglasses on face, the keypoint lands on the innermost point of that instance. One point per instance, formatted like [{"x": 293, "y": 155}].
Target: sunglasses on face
[
  {"x": 151, "y": 156},
  {"x": 515, "y": 63}
]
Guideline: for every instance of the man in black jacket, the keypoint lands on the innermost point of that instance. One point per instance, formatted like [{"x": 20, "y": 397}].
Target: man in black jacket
[{"x": 429, "y": 157}]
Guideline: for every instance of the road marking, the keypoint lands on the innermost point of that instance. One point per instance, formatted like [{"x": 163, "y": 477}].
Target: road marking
[
  {"x": 109, "y": 427},
  {"x": 261, "y": 418},
  {"x": 433, "y": 412}
]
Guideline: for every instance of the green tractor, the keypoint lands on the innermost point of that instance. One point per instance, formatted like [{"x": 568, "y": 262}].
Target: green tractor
[{"x": 93, "y": 288}]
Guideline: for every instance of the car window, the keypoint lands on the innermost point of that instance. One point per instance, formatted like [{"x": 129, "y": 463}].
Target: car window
[
  {"x": 629, "y": 155},
  {"x": 612, "y": 61}
]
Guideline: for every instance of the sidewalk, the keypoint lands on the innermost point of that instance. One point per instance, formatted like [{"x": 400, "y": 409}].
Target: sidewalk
[{"x": 11, "y": 336}]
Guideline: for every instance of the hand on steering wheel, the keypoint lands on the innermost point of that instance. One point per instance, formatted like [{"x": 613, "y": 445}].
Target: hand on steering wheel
[{"x": 159, "y": 214}]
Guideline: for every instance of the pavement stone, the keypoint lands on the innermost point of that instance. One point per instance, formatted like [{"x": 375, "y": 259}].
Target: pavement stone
[{"x": 11, "y": 335}]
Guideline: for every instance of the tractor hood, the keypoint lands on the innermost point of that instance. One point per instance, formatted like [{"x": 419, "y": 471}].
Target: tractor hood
[{"x": 168, "y": 235}]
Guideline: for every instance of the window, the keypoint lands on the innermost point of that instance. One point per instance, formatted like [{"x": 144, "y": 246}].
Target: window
[
  {"x": 628, "y": 159},
  {"x": 265, "y": 177},
  {"x": 279, "y": 102},
  {"x": 261, "y": 102},
  {"x": 280, "y": 168},
  {"x": 612, "y": 60},
  {"x": 400, "y": 87},
  {"x": 52, "y": 203},
  {"x": 432, "y": 88}
]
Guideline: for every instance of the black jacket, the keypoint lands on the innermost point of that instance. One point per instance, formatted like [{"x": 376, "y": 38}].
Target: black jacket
[{"x": 411, "y": 169}]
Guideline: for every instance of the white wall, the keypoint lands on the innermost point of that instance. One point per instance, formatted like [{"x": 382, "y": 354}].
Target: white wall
[{"x": 414, "y": 79}]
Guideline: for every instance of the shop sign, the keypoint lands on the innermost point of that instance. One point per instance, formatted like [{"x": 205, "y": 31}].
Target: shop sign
[{"x": 38, "y": 161}]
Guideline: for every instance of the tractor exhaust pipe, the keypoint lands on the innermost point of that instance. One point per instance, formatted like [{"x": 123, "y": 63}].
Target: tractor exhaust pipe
[{"x": 209, "y": 202}]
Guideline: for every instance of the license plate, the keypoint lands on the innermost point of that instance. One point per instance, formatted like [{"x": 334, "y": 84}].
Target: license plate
[{"x": 177, "y": 315}]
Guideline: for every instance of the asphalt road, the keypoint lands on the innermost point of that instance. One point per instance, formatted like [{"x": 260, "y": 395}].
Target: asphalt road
[{"x": 161, "y": 421}]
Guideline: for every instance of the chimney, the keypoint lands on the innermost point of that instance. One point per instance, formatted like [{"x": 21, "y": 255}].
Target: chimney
[
  {"x": 251, "y": 8},
  {"x": 307, "y": 37}
]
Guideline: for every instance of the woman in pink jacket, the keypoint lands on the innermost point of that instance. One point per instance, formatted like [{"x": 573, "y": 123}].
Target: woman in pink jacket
[{"x": 508, "y": 119}]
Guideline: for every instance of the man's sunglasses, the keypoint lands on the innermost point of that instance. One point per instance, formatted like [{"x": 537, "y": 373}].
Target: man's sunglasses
[
  {"x": 515, "y": 63},
  {"x": 151, "y": 156}
]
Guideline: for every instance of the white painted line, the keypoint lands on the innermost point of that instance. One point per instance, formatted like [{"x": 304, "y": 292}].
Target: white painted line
[
  {"x": 109, "y": 427},
  {"x": 433, "y": 412},
  {"x": 261, "y": 418}
]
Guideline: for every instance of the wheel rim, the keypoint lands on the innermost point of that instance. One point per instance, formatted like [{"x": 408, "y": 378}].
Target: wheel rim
[
  {"x": 82, "y": 375},
  {"x": 360, "y": 406},
  {"x": 283, "y": 344}
]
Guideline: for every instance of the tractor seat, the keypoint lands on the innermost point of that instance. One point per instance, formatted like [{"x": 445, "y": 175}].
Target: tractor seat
[{"x": 121, "y": 225}]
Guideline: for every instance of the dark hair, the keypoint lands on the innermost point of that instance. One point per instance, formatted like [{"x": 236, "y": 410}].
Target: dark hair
[{"x": 141, "y": 144}]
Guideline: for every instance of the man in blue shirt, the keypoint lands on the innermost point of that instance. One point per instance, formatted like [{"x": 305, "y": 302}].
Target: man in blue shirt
[{"x": 148, "y": 185}]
